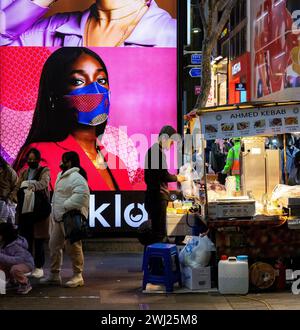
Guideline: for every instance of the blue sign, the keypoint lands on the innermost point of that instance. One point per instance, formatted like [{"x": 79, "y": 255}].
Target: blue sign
[
  {"x": 240, "y": 87},
  {"x": 196, "y": 59},
  {"x": 195, "y": 72}
]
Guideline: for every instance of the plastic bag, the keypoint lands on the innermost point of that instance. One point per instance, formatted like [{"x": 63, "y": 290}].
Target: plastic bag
[
  {"x": 197, "y": 252},
  {"x": 28, "y": 204},
  {"x": 282, "y": 192},
  {"x": 188, "y": 187},
  {"x": 230, "y": 185},
  {"x": 199, "y": 165},
  {"x": 7, "y": 211}
]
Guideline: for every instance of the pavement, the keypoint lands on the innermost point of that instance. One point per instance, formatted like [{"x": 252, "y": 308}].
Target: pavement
[{"x": 113, "y": 282}]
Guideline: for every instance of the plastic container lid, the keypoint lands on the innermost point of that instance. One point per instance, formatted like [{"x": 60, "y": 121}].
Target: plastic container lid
[
  {"x": 242, "y": 258},
  {"x": 224, "y": 257}
]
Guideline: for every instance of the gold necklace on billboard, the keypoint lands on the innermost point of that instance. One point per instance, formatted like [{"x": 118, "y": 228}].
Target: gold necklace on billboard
[{"x": 129, "y": 28}]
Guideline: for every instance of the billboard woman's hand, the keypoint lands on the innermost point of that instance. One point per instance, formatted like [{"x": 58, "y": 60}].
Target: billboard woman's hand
[{"x": 44, "y": 3}]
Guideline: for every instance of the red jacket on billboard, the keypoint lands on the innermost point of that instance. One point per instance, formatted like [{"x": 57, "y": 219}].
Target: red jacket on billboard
[{"x": 52, "y": 152}]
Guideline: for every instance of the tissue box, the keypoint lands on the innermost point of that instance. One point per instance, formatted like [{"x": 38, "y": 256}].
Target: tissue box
[{"x": 196, "y": 278}]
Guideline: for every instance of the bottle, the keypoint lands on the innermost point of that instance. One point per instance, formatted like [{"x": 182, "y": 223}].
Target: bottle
[{"x": 280, "y": 282}]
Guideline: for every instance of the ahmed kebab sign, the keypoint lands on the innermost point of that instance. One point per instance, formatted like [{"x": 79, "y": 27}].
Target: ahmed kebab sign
[{"x": 251, "y": 122}]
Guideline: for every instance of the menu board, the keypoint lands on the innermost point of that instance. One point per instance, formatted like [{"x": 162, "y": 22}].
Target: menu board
[{"x": 251, "y": 122}]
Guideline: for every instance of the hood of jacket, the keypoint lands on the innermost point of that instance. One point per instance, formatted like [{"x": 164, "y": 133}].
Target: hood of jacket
[
  {"x": 68, "y": 172},
  {"x": 19, "y": 241}
]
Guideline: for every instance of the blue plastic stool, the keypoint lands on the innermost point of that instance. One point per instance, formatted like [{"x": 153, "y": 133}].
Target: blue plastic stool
[{"x": 159, "y": 261}]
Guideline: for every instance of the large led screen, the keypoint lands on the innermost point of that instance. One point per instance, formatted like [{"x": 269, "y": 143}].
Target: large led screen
[{"x": 137, "y": 84}]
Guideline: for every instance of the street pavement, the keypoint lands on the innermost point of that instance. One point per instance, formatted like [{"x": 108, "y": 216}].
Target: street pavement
[{"x": 113, "y": 282}]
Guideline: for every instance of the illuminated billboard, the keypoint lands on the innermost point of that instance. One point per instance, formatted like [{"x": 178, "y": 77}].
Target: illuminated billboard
[{"x": 106, "y": 103}]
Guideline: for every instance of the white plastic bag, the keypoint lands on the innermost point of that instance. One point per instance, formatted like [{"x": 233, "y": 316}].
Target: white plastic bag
[
  {"x": 197, "y": 252},
  {"x": 7, "y": 211},
  {"x": 188, "y": 187},
  {"x": 28, "y": 204},
  {"x": 282, "y": 192},
  {"x": 230, "y": 185}
]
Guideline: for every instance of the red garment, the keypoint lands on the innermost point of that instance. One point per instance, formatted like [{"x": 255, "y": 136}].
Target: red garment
[{"x": 51, "y": 153}]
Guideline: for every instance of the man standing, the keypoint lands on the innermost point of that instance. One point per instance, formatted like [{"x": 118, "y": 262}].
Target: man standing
[{"x": 156, "y": 179}]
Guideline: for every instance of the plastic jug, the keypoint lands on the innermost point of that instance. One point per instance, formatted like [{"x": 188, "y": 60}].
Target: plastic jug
[
  {"x": 233, "y": 275},
  {"x": 2, "y": 282}
]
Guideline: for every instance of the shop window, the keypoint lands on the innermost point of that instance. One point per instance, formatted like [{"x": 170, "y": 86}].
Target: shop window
[
  {"x": 243, "y": 9},
  {"x": 238, "y": 14},
  {"x": 243, "y": 40},
  {"x": 225, "y": 49},
  {"x": 238, "y": 44}
]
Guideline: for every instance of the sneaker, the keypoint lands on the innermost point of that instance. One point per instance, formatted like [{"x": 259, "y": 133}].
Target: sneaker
[
  {"x": 37, "y": 273},
  {"x": 10, "y": 284},
  {"x": 75, "y": 281},
  {"x": 52, "y": 279},
  {"x": 24, "y": 288}
]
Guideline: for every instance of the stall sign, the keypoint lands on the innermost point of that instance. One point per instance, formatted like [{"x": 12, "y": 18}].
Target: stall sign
[
  {"x": 251, "y": 122},
  {"x": 236, "y": 68},
  {"x": 240, "y": 87}
]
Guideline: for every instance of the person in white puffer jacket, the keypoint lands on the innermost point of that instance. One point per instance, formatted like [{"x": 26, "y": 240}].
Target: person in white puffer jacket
[{"x": 71, "y": 192}]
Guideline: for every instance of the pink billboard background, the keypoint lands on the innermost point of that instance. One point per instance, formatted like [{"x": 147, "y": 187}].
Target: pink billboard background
[{"x": 143, "y": 99}]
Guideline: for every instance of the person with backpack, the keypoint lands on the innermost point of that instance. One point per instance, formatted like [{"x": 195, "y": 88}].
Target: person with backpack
[{"x": 34, "y": 224}]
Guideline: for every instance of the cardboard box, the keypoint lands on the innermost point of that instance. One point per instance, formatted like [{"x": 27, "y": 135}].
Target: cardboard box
[
  {"x": 177, "y": 225},
  {"x": 196, "y": 278}
]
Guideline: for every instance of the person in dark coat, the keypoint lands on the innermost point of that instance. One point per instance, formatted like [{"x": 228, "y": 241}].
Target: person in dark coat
[
  {"x": 157, "y": 178},
  {"x": 36, "y": 233}
]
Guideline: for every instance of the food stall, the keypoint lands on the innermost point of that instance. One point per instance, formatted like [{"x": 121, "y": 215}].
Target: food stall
[{"x": 262, "y": 219}]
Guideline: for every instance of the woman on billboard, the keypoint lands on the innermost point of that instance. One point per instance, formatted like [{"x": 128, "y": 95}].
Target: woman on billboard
[
  {"x": 71, "y": 115},
  {"x": 109, "y": 23}
]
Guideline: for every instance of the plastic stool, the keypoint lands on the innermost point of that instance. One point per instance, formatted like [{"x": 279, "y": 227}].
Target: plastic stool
[{"x": 161, "y": 253}]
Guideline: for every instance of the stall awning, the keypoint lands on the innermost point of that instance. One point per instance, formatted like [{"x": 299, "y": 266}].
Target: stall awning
[{"x": 248, "y": 119}]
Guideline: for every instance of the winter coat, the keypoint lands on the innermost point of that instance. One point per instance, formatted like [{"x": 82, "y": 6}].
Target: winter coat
[
  {"x": 8, "y": 184},
  {"x": 25, "y": 26},
  {"x": 16, "y": 253},
  {"x": 217, "y": 158},
  {"x": 71, "y": 192},
  {"x": 41, "y": 228}
]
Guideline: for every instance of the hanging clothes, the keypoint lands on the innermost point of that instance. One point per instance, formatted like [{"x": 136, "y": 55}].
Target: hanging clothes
[
  {"x": 290, "y": 156},
  {"x": 218, "y": 158}
]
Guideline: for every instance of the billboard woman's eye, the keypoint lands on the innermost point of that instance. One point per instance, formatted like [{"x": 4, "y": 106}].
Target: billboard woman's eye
[
  {"x": 102, "y": 81},
  {"x": 76, "y": 82}
]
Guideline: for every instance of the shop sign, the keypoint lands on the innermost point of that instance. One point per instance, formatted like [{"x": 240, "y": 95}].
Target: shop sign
[
  {"x": 240, "y": 87},
  {"x": 251, "y": 122},
  {"x": 195, "y": 72},
  {"x": 116, "y": 212},
  {"x": 236, "y": 68},
  {"x": 197, "y": 90},
  {"x": 196, "y": 59},
  {"x": 296, "y": 284}
]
